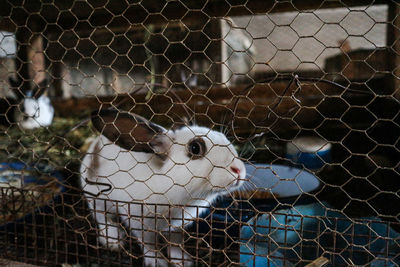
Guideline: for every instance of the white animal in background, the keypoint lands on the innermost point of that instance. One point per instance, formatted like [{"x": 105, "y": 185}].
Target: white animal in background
[
  {"x": 30, "y": 110},
  {"x": 35, "y": 113},
  {"x": 181, "y": 170}
]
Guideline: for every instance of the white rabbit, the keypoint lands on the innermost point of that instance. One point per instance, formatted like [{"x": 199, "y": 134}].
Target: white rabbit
[
  {"x": 31, "y": 109},
  {"x": 181, "y": 170},
  {"x": 35, "y": 113}
]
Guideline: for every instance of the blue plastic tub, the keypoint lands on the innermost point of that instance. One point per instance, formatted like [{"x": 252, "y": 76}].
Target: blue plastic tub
[
  {"x": 306, "y": 232},
  {"x": 302, "y": 228},
  {"x": 308, "y": 151},
  {"x": 289, "y": 185}
]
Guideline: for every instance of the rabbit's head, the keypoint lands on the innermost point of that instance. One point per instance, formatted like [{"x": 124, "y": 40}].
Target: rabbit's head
[
  {"x": 35, "y": 109},
  {"x": 34, "y": 113},
  {"x": 197, "y": 158},
  {"x": 207, "y": 157}
]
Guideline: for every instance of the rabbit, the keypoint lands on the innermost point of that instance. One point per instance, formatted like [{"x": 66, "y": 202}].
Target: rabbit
[
  {"x": 182, "y": 170},
  {"x": 31, "y": 109}
]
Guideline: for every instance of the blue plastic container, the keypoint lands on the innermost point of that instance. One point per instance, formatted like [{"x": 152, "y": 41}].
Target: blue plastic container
[
  {"x": 311, "y": 152},
  {"x": 289, "y": 185},
  {"x": 302, "y": 228},
  {"x": 308, "y": 231}
]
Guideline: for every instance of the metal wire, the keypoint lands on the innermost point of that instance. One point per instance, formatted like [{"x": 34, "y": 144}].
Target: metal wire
[{"x": 135, "y": 152}]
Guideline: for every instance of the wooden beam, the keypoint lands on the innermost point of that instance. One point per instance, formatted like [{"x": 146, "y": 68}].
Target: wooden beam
[
  {"x": 10, "y": 263},
  {"x": 142, "y": 13},
  {"x": 215, "y": 107},
  {"x": 212, "y": 9}
]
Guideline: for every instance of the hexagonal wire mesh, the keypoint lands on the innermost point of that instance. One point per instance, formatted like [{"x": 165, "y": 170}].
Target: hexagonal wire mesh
[{"x": 200, "y": 133}]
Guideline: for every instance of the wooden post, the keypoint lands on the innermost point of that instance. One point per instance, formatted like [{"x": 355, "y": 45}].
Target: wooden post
[
  {"x": 393, "y": 42},
  {"x": 37, "y": 70},
  {"x": 215, "y": 50},
  {"x": 30, "y": 62},
  {"x": 57, "y": 73},
  {"x": 22, "y": 61}
]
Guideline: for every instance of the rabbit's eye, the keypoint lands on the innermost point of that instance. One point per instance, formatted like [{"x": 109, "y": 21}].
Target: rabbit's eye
[{"x": 197, "y": 148}]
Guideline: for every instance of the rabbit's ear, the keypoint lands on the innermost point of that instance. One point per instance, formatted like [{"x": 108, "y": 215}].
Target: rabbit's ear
[
  {"x": 16, "y": 86},
  {"x": 40, "y": 89},
  {"x": 131, "y": 132},
  {"x": 14, "y": 83}
]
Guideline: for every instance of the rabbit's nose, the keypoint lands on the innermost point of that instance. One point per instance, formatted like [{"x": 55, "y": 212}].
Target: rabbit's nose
[{"x": 235, "y": 170}]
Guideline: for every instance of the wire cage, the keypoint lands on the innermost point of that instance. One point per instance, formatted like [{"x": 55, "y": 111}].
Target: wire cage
[{"x": 199, "y": 133}]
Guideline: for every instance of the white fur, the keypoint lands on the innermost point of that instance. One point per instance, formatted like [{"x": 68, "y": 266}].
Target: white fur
[
  {"x": 144, "y": 178},
  {"x": 36, "y": 113}
]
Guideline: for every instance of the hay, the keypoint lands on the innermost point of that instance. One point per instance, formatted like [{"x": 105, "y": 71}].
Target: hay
[{"x": 30, "y": 146}]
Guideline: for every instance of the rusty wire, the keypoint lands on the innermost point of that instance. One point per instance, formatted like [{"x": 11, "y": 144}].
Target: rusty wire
[{"x": 210, "y": 62}]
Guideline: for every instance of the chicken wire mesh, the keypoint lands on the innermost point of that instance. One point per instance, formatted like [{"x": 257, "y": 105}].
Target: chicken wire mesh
[{"x": 199, "y": 133}]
